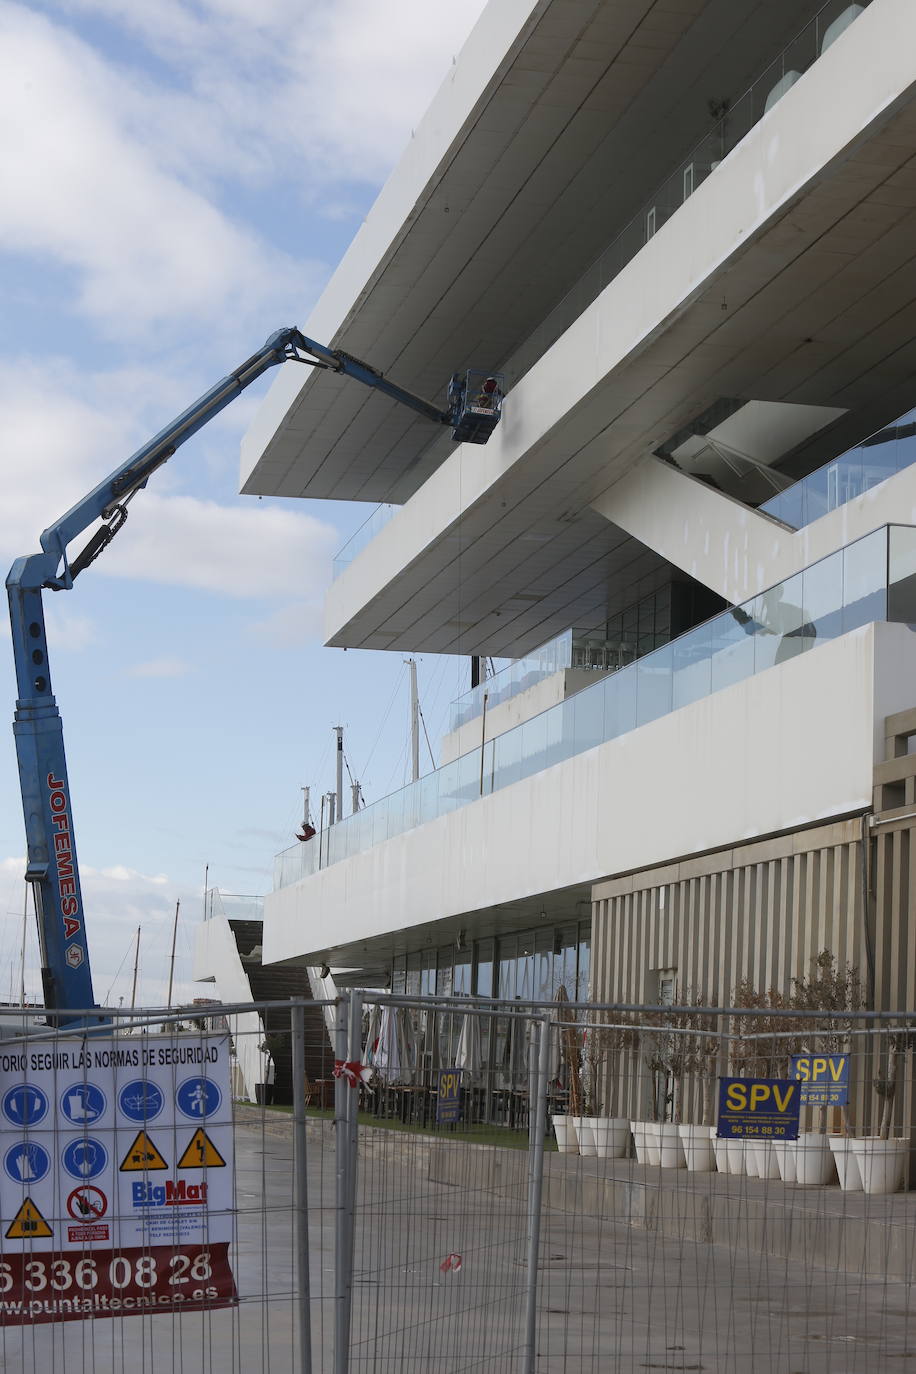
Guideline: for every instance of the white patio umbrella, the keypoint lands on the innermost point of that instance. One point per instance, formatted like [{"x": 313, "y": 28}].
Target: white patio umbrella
[
  {"x": 407, "y": 1044},
  {"x": 372, "y": 1035},
  {"x": 387, "y": 1058},
  {"x": 469, "y": 1055}
]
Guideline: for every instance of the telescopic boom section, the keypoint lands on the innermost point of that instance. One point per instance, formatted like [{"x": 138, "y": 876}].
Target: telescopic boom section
[{"x": 51, "y": 865}]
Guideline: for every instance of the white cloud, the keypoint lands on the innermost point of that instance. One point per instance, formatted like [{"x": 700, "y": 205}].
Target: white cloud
[
  {"x": 160, "y": 667},
  {"x": 84, "y": 188},
  {"x": 330, "y": 90},
  {"x": 57, "y": 445},
  {"x": 249, "y": 551},
  {"x": 117, "y": 900}
]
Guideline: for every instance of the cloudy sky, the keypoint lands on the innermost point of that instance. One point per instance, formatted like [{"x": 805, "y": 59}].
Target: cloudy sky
[{"x": 181, "y": 177}]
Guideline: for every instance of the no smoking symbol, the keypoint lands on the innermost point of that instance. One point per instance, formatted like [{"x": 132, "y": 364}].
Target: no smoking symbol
[{"x": 87, "y": 1203}]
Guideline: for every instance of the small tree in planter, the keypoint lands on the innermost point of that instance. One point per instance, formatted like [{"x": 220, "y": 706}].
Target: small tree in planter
[
  {"x": 882, "y": 1158},
  {"x": 609, "y": 1036}
]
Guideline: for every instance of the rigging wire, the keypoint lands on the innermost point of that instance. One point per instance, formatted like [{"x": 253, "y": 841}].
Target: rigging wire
[
  {"x": 397, "y": 687},
  {"x": 426, "y": 735}
]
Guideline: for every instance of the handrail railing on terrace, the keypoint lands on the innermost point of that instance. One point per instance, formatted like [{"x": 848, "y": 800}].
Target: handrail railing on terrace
[
  {"x": 883, "y": 454},
  {"x": 872, "y": 579}
]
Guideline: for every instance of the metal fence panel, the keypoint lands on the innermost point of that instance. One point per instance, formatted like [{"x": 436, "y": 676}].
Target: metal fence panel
[{"x": 457, "y": 1185}]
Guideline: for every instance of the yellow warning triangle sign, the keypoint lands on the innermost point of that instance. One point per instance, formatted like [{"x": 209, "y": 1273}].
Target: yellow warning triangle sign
[
  {"x": 28, "y": 1223},
  {"x": 142, "y": 1155},
  {"x": 201, "y": 1153}
]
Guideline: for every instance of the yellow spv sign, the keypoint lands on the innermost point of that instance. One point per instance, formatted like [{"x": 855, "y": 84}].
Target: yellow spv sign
[
  {"x": 759, "y": 1108},
  {"x": 824, "y": 1078}
]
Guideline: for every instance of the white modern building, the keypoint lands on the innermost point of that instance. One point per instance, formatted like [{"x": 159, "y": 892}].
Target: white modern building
[{"x": 685, "y": 232}]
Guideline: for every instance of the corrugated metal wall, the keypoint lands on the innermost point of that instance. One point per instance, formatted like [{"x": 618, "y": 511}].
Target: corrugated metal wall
[{"x": 758, "y": 912}]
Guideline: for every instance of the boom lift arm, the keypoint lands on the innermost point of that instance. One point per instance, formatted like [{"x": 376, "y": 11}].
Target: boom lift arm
[{"x": 51, "y": 866}]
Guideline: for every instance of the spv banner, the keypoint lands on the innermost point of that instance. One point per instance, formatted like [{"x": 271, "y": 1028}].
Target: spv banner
[
  {"x": 758, "y": 1108},
  {"x": 824, "y": 1078},
  {"x": 116, "y": 1171}
]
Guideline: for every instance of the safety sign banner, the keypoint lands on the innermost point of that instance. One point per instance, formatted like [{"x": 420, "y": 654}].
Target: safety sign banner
[
  {"x": 824, "y": 1078},
  {"x": 758, "y": 1108},
  {"x": 116, "y": 1176}
]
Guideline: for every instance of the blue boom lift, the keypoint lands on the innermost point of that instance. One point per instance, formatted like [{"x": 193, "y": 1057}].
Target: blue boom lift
[{"x": 473, "y": 412}]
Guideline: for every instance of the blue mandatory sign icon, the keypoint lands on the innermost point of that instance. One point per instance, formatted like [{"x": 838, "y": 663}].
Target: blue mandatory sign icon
[
  {"x": 84, "y": 1158},
  {"x": 198, "y": 1098},
  {"x": 25, "y": 1105},
  {"x": 83, "y": 1103},
  {"x": 27, "y": 1162},
  {"x": 140, "y": 1101}
]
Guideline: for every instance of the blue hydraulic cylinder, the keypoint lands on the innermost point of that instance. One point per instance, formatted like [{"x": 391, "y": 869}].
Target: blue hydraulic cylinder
[{"x": 51, "y": 866}]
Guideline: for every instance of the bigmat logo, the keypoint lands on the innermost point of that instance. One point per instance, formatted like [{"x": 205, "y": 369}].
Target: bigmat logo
[{"x": 169, "y": 1194}]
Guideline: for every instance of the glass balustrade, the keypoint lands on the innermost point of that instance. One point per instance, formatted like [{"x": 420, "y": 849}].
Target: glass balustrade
[
  {"x": 855, "y": 472},
  {"x": 871, "y": 579},
  {"x": 363, "y": 536}
]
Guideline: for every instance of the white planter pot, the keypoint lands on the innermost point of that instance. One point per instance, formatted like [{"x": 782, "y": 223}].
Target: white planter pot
[
  {"x": 847, "y": 1166},
  {"x": 698, "y": 1148},
  {"x": 565, "y": 1131},
  {"x": 813, "y": 1160},
  {"x": 735, "y": 1152},
  {"x": 670, "y": 1146},
  {"x": 784, "y": 1154},
  {"x": 639, "y": 1140},
  {"x": 750, "y": 1158},
  {"x": 720, "y": 1154},
  {"x": 612, "y": 1136},
  {"x": 653, "y": 1150},
  {"x": 585, "y": 1134},
  {"x": 765, "y": 1164},
  {"x": 882, "y": 1163}
]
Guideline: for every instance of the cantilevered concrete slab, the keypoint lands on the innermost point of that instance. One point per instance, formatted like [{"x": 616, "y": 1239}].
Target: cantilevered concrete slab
[
  {"x": 557, "y": 121},
  {"x": 790, "y": 275}
]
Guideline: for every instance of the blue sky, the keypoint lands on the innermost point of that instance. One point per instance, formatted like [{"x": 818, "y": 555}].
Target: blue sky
[{"x": 181, "y": 177}]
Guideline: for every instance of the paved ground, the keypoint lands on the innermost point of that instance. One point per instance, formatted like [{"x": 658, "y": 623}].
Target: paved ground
[{"x": 613, "y": 1298}]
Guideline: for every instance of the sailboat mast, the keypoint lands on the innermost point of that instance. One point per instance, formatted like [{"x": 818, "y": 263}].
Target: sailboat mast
[
  {"x": 133, "y": 991},
  {"x": 172, "y": 960}
]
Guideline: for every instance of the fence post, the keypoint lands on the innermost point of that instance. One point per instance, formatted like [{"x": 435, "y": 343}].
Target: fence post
[
  {"x": 303, "y": 1283},
  {"x": 535, "y": 1195},
  {"x": 354, "y": 1055},
  {"x": 342, "y": 1276}
]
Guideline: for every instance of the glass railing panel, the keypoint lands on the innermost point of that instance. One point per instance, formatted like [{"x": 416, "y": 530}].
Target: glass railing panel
[
  {"x": 691, "y": 658},
  {"x": 449, "y": 795},
  {"x": 586, "y": 710},
  {"x": 905, "y": 444},
  {"x": 901, "y": 589},
  {"x": 534, "y": 745},
  {"x": 865, "y": 581},
  {"x": 363, "y": 536},
  {"x": 732, "y": 646},
  {"x": 822, "y": 598},
  {"x": 468, "y": 777},
  {"x": 653, "y": 684},
  {"x": 843, "y": 479},
  {"x": 508, "y": 758},
  {"x": 379, "y": 814},
  {"x": 619, "y": 692}
]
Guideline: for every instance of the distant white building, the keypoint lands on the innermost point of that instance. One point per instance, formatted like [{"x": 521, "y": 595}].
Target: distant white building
[{"x": 686, "y": 234}]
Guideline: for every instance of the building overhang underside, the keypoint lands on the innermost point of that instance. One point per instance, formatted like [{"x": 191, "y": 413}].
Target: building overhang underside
[
  {"x": 809, "y": 303},
  {"x": 361, "y": 961},
  {"x": 504, "y": 549}
]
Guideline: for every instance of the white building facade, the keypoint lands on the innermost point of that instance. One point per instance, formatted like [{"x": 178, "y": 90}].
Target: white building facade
[{"x": 683, "y": 230}]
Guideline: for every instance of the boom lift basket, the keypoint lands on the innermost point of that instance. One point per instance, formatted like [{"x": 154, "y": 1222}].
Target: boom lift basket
[{"x": 475, "y": 400}]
